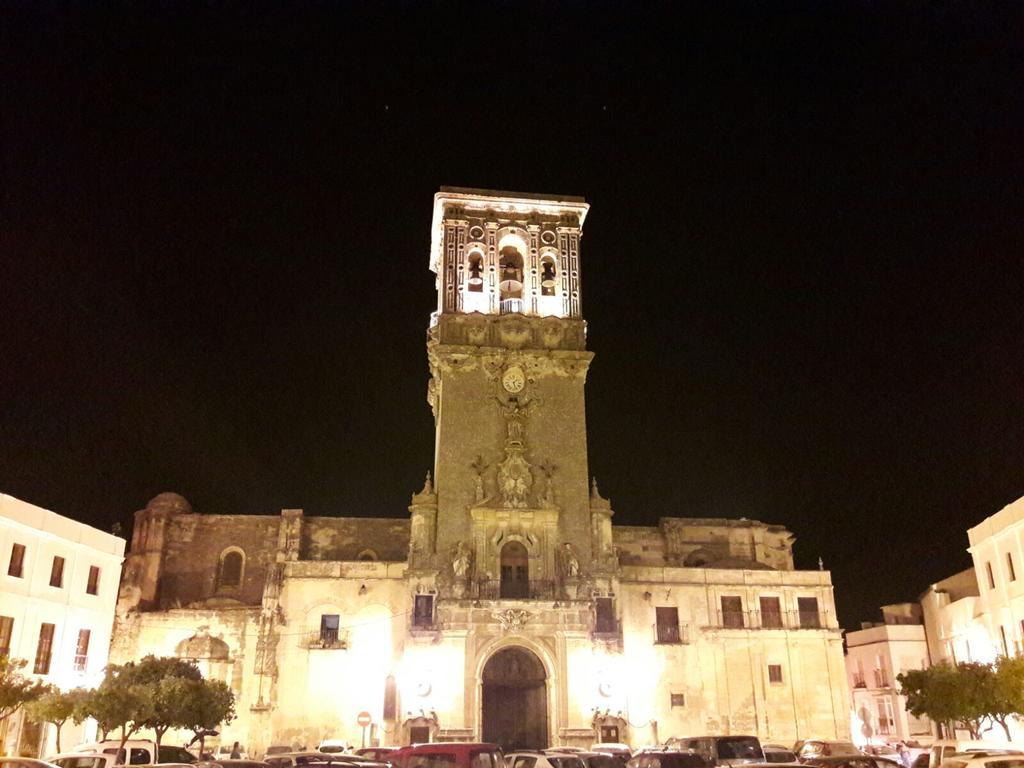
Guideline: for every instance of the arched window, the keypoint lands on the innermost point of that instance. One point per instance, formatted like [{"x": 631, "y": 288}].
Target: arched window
[
  {"x": 515, "y": 570},
  {"x": 510, "y": 269},
  {"x": 475, "y": 272},
  {"x": 367, "y": 554},
  {"x": 229, "y": 575},
  {"x": 547, "y": 276}
]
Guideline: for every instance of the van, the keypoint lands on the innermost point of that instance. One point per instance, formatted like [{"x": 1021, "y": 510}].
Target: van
[
  {"x": 139, "y": 752},
  {"x": 724, "y": 750},
  {"x": 449, "y": 754},
  {"x": 943, "y": 748}
]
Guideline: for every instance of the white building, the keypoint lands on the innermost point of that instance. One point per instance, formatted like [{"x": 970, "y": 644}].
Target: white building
[
  {"x": 996, "y": 547},
  {"x": 875, "y": 655},
  {"x": 58, "y": 590}
]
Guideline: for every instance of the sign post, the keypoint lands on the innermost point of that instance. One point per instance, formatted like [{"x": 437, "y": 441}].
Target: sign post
[{"x": 363, "y": 721}]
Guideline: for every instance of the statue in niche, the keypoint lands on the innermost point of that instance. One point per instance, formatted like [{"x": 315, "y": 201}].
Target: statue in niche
[
  {"x": 570, "y": 563},
  {"x": 479, "y": 466},
  {"x": 462, "y": 561},
  {"x": 515, "y": 414}
]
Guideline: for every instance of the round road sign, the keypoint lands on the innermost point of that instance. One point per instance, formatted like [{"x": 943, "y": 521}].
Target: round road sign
[{"x": 364, "y": 719}]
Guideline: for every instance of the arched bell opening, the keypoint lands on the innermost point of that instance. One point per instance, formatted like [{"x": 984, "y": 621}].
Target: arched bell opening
[
  {"x": 510, "y": 279},
  {"x": 475, "y": 272},
  {"x": 515, "y": 700},
  {"x": 515, "y": 571},
  {"x": 548, "y": 277}
]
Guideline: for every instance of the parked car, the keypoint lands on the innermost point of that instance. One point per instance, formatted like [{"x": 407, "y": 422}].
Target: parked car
[
  {"x": 946, "y": 748},
  {"x": 23, "y": 762},
  {"x": 859, "y": 760},
  {"x": 777, "y": 753},
  {"x": 449, "y": 754},
  {"x": 563, "y": 750},
  {"x": 613, "y": 748},
  {"x": 600, "y": 759},
  {"x": 288, "y": 759},
  {"x": 224, "y": 752},
  {"x": 139, "y": 752},
  {"x": 236, "y": 763},
  {"x": 993, "y": 758},
  {"x": 670, "y": 758},
  {"x": 334, "y": 746},
  {"x": 723, "y": 750},
  {"x": 543, "y": 760},
  {"x": 814, "y": 748},
  {"x": 380, "y": 754},
  {"x": 82, "y": 760}
]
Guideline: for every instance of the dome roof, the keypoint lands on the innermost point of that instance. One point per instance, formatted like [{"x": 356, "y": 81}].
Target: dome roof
[
  {"x": 202, "y": 646},
  {"x": 170, "y": 503}
]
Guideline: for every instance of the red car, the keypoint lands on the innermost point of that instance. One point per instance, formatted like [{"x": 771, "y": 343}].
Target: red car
[{"x": 453, "y": 754}]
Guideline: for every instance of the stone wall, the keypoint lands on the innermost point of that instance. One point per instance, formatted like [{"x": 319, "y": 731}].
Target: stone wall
[
  {"x": 354, "y": 538},
  {"x": 193, "y": 548}
]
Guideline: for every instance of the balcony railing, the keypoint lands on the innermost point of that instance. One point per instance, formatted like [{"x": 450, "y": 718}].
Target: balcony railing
[
  {"x": 607, "y": 628},
  {"x": 881, "y": 679},
  {"x": 81, "y": 662},
  {"x": 671, "y": 634},
  {"x": 496, "y": 589},
  {"x": 858, "y": 680},
  {"x": 424, "y": 622},
  {"x": 326, "y": 639},
  {"x": 510, "y": 306},
  {"x": 769, "y": 620}
]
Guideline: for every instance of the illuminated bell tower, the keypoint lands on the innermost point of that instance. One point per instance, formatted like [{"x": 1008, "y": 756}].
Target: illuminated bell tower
[{"x": 510, "y": 511}]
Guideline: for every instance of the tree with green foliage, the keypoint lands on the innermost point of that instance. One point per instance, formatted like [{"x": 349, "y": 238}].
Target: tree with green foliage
[
  {"x": 928, "y": 693},
  {"x": 973, "y": 694},
  {"x": 120, "y": 703},
  {"x": 158, "y": 674},
  {"x": 207, "y": 704},
  {"x": 16, "y": 690},
  {"x": 57, "y": 707},
  {"x": 1009, "y": 690}
]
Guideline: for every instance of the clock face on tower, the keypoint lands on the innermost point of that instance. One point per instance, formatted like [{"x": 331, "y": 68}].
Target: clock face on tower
[{"x": 513, "y": 380}]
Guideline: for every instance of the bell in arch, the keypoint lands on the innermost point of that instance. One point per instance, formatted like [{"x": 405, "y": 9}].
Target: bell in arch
[
  {"x": 475, "y": 272},
  {"x": 511, "y": 278},
  {"x": 547, "y": 276}
]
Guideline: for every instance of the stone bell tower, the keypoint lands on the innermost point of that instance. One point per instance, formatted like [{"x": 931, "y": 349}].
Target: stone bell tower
[{"x": 510, "y": 511}]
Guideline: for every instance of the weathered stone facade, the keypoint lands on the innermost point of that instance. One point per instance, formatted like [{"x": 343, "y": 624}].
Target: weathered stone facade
[{"x": 505, "y": 605}]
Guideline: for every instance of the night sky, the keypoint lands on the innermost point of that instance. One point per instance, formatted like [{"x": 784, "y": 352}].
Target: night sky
[{"x": 801, "y": 269}]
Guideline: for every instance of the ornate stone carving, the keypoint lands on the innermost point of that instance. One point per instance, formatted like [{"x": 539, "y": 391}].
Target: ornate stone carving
[
  {"x": 515, "y": 479},
  {"x": 547, "y": 498},
  {"x": 512, "y": 619}
]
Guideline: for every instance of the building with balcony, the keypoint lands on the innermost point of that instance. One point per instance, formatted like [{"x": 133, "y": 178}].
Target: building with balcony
[
  {"x": 876, "y": 654},
  {"x": 58, "y": 588},
  {"x": 504, "y": 605}
]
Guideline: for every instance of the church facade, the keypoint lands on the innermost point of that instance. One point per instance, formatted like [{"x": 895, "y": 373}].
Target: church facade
[{"x": 505, "y": 605}]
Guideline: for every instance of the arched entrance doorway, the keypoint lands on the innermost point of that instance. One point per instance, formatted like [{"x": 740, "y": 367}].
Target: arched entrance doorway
[{"x": 515, "y": 700}]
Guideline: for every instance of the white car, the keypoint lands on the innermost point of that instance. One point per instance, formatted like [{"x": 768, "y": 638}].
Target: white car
[
  {"x": 945, "y": 748},
  {"x": 139, "y": 752},
  {"x": 542, "y": 760},
  {"x": 984, "y": 759}
]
